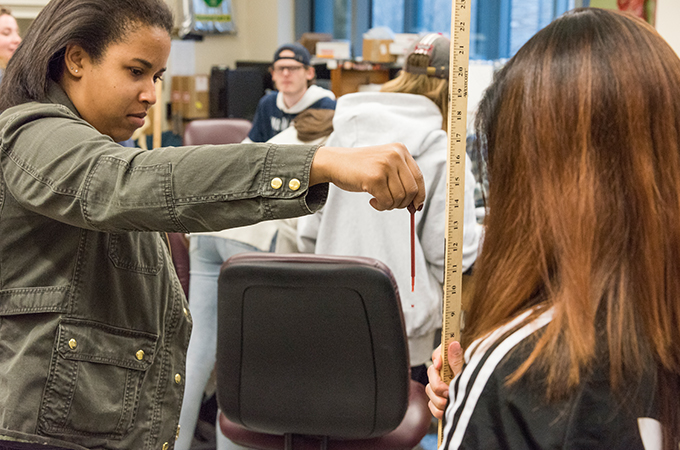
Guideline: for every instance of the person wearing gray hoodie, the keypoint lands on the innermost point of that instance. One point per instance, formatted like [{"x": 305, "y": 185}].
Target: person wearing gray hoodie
[{"x": 410, "y": 110}]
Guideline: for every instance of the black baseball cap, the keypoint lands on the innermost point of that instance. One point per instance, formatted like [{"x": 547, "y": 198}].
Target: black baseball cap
[{"x": 300, "y": 54}]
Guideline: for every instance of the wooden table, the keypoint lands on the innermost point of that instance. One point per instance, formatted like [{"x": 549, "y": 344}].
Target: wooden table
[{"x": 347, "y": 78}]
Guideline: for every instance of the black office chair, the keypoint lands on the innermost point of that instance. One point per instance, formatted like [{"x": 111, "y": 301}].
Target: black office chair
[{"x": 312, "y": 352}]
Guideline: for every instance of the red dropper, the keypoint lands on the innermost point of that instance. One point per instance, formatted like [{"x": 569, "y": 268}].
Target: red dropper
[{"x": 412, "y": 210}]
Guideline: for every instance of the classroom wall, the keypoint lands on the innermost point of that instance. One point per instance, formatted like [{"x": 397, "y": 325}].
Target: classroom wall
[
  {"x": 667, "y": 17},
  {"x": 261, "y": 26}
]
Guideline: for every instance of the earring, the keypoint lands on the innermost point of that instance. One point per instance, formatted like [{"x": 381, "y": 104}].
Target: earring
[{"x": 76, "y": 71}]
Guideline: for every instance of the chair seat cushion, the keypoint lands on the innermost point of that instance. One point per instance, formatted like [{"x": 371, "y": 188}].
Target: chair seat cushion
[{"x": 408, "y": 434}]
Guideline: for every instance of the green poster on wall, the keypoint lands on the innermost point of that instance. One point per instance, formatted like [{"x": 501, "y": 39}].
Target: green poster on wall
[{"x": 207, "y": 17}]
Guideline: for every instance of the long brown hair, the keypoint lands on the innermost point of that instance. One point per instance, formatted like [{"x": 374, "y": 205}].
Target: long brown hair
[{"x": 582, "y": 129}]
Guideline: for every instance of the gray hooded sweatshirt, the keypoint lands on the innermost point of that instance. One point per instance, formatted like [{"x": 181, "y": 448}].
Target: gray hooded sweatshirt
[{"x": 348, "y": 225}]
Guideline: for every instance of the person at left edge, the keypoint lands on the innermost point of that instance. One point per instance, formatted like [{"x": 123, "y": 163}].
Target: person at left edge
[
  {"x": 293, "y": 78},
  {"x": 9, "y": 37},
  {"x": 93, "y": 322}
]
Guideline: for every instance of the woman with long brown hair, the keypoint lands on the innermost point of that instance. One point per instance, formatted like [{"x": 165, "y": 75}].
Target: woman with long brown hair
[{"x": 572, "y": 336}]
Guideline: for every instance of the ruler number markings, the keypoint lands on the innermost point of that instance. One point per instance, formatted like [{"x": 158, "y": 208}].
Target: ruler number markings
[{"x": 457, "y": 133}]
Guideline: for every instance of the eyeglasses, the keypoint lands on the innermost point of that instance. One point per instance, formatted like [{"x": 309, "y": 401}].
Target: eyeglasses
[{"x": 290, "y": 69}]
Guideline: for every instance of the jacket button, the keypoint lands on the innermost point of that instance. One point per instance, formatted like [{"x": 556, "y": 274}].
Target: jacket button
[
  {"x": 166, "y": 446},
  {"x": 186, "y": 312},
  {"x": 140, "y": 354},
  {"x": 277, "y": 183},
  {"x": 73, "y": 344},
  {"x": 178, "y": 378},
  {"x": 177, "y": 433},
  {"x": 294, "y": 184}
]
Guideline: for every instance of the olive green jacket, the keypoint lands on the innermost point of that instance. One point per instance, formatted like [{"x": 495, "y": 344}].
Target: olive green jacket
[{"x": 93, "y": 322}]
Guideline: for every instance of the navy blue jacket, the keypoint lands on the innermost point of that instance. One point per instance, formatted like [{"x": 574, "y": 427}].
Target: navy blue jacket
[{"x": 269, "y": 120}]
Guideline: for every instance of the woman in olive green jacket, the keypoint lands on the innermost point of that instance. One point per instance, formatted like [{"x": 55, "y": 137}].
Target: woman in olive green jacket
[{"x": 93, "y": 322}]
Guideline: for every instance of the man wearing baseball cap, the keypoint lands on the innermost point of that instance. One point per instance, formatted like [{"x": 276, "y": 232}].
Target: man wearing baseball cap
[{"x": 293, "y": 77}]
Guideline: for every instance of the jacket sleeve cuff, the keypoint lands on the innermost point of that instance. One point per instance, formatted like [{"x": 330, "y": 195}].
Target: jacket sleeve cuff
[{"x": 286, "y": 177}]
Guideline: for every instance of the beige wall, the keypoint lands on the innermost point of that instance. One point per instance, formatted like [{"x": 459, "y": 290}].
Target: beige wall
[
  {"x": 261, "y": 26},
  {"x": 667, "y": 18}
]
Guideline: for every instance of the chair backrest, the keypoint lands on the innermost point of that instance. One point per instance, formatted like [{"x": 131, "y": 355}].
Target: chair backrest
[
  {"x": 311, "y": 345},
  {"x": 216, "y": 131}
]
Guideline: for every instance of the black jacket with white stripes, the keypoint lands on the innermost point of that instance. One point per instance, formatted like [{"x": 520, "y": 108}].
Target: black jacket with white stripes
[{"x": 484, "y": 412}]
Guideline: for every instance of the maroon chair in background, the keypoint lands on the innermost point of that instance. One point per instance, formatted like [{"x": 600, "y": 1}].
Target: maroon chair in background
[
  {"x": 179, "y": 250},
  {"x": 312, "y": 353},
  {"x": 216, "y": 131}
]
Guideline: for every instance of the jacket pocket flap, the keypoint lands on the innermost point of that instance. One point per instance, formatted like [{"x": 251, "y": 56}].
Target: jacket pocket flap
[{"x": 99, "y": 343}]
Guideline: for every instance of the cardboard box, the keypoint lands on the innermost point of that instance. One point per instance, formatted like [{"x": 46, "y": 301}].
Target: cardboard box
[
  {"x": 196, "y": 97},
  {"x": 402, "y": 43},
  {"x": 333, "y": 49},
  {"x": 177, "y": 88},
  {"x": 309, "y": 40},
  {"x": 378, "y": 50},
  {"x": 176, "y": 96}
]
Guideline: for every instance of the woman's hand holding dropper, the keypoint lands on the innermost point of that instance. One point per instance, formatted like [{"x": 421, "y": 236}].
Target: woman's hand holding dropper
[{"x": 387, "y": 172}]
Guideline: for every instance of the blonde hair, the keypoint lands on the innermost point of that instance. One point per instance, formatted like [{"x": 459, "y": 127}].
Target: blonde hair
[{"x": 436, "y": 89}]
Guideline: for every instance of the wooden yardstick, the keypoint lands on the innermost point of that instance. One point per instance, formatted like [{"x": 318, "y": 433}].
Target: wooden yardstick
[{"x": 455, "y": 194}]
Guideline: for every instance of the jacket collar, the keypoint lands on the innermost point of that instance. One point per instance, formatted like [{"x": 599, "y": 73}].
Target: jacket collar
[{"x": 55, "y": 94}]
